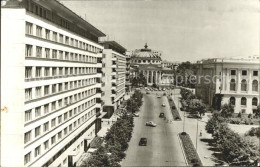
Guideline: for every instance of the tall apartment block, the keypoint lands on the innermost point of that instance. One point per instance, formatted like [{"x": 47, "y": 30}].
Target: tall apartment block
[
  {"x": 114, "y": 69},
  {"x": 49, "y": 82}
]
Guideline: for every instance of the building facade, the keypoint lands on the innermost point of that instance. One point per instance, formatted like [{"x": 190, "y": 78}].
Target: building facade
[
  {"x": 49, "y": 83},
  {"x": 148, "y": 62},
  {"x": 234, "y": 81},
  {"x": 114, "y": 70}
]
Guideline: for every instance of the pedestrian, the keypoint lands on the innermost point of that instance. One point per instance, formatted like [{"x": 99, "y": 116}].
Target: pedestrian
[{"x": 200, "y": 133}]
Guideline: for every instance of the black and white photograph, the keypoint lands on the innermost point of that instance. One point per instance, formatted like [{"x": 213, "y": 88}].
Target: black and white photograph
[{"x": 130, "y": 83}]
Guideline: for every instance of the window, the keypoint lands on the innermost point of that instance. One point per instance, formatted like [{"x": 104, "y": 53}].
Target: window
[
  {"x": 66, "y": 71},
  {"x": 37, "y": 151},
  {"x": 38, "y": 91},
  {"x": 61, "y": 38},
  {"x": 45, "y": 126},
  {"x": 47, "y": 34},
  {"x": 59, "y": 135},
  {"x": 233, "y": 72},
  {"x": 27, "y": 137},
  {"x": 28, "y": 115},
  {"x": 61, "y": 55},
  {"x": 27, "y": 158},
  {"x": 28, "y": 94},
  {"x": 38, "y": 72},
  {"x": 67, "y": 40},
  {"x": 66, "y": 55},
  {"x": 70, "y": 113},
  {"x": 54, "y": 36},
  {"x": 65, "y": 116},
  {"x": 243, "y": 101},
  {"x": 254, "y": 101},
  {"x": 70, "y": 127},
  {"x": 46, "y": 145},
  {"x": 60, "y": 87},
  {"x": 28, "y": 51},
  {"x": 37, "y": 112},
  {"x": 71, "y": 42},
  {"x": 53, "y": 139},
  {"x": 66, "y": 85},
  {"x": 59, "y": 119},
  {"x": 60, "y": 71},
  {"x": 38, "y": 51},
  {"x": 28, "y": 72},
  {"x": 54, "y": 54},
  {"x": 53, "y": 88},
  {"x": 232, "y": 100},
  {"x": 37, "y": 131},
  {"x": 46, "y": 90},
  {"x": 38, "y": 31},
  {"x": 46, "y": 108},
  {"x": 53, "y": 106},
  {"x": 60, "y": 103},
  {"x": 244, "y": 72},
  {"x": 255, "y": 73},
  {"x": 53, "y": 122},
  {"x": 243, "y": 85},
  {"x": 54, "y": 71},
  {"x": 47, "y": 71},
  {"x": 29, "y": 28},
  {"x": 47, "y": 53},
  {"x": 255, "y": 85}
]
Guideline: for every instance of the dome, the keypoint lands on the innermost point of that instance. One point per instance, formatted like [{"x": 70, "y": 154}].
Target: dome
[{"x": 146, "y": 53}]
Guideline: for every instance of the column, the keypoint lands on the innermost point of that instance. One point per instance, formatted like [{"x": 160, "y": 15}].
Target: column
[
  {"x": 249, "y": 109},
  {"x": 156, "y": 79},
  {"x": 227, "y": 81},
  {"x": 237, "y": 105},
  {"x": 147, "y": 77},
  {"x": 152, "y": 77},
  {"x": 238, "y": 80},
  {"x": 250, "y": 81}
]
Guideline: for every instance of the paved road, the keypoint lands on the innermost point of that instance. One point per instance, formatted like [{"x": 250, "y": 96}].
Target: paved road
[{"x": 163, "y": 147}]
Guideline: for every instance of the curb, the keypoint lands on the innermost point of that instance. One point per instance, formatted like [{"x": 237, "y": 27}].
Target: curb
[{"x": 182, "y": 149}]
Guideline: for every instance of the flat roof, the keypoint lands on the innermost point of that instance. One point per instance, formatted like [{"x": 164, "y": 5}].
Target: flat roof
[{"x": 114, "y": 44}]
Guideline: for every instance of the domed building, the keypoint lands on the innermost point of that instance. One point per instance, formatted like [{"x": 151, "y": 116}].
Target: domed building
[{"x": 149, "y": 63}]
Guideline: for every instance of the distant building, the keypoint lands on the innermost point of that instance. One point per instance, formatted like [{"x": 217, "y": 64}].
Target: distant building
[
  {"x": 149, "y": 63},
  {"x": 114, "y": 74},
  {"x": 49, "y": 81},
  {"x": 169, "y": 64},
  {"x": 234, "y": 81}
]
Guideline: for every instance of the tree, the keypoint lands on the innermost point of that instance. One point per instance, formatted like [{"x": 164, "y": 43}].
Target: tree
[
  {"x": 227, "y": 110},
  {"x": 257, "y": 113},
  {"x": 196, "y": 106}
]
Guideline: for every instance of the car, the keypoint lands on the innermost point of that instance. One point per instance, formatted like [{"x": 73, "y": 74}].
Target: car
[
  {"x": 164, "y": 94},
  {"x": 161, "y": 115},
  {"x": 194, "y": 116},
  {"x": 150, "y": 123},
  {"x": 163, "y": 89},
  {"x": 158, "y": 96},
  {"x": 143, "y": 141},
  {"x": 147, "y": 92},
  {"x": 135, "y": 114},
  {"x": 163, "y": 105}
]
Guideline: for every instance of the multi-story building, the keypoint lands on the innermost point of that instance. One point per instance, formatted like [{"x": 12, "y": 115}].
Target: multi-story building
[
  {"x": 234, "y": 81},
  {"x": 114, "y": 69},
  {"x": 149, "y": 63},
  {"x": 48, "y": 83}
]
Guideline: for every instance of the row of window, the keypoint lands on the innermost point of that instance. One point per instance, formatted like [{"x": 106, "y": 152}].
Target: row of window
[
  {"x": 243, "y": 85},
  {"x": 42, "y": 91},
  {"x": 40, "y": 52},
  {"x": 38, "y": 72},
  {"x": 55, "y": 105},
  {"x": 58, "y": 37},
  {"x": 145, "y": 61},
  {"x": 244, "y": 72},
  {"x": 48, "y": 144},
  {"x": 243, "y": 101}
]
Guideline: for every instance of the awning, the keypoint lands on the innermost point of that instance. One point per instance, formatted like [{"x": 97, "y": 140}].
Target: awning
[{"x": 96, "y": 142}]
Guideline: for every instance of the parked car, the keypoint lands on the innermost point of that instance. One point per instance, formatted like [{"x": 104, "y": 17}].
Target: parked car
[
  {"x": 135, "y": 114},
  {"x": 163, "y": 105},
  {"x": 194, "y": 116},
  {"x": 147, "y": 92},
  {"x": 143, "y": 141},
  {"x": 150, "y": 123},
  {"x": 164, "y": 94},
  {"x": 163, "y": 89},
  {"x": 161, "y": 115}
]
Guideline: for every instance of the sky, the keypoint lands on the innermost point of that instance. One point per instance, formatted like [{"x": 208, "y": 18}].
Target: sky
[{"x": 184, "y": 30}]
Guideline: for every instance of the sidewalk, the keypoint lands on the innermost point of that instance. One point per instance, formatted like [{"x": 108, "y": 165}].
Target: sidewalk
[{"x": 190, "y": 126}]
